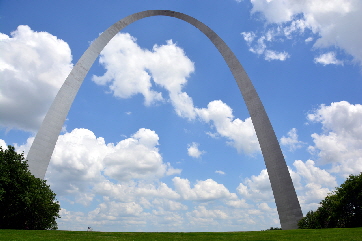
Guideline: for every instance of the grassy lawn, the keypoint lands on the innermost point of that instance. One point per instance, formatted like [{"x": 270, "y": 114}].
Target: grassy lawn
[{"x": 321, "y": 234}]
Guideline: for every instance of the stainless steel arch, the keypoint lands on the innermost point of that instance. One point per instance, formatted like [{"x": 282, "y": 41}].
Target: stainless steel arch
[{"x": 42, "y": 148}]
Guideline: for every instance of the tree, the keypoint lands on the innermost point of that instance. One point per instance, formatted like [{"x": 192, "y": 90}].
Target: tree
[
  {"x": 272, "y": 228},
  {"x": 26, "y": 202},
  {"x": 340, "y": 209}
]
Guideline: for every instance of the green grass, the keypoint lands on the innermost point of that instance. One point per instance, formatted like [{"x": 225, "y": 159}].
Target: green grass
[{"x": 295, "y": 235}]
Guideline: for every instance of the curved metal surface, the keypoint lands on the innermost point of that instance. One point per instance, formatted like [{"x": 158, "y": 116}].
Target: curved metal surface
[{"x": 42, "y": 148}]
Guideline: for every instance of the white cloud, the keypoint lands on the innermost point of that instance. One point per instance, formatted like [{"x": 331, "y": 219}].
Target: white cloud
[
  {"x": 341, "y": 117},
  {"x": 314, "y": 193},
  {"x": 201, "y": 216},
  {"x": 3, "y": 144},
  {"x": 255, "y": 212},
  {"x": 257, "y": 188},
  {"x": 125, "y": 75},
  {"x": 241, "y": 134},
  {"x": 248, "y": 37},
  {"x": 292, "y": 140},
  {"x": 134, "y": 191},
  {"x": 295, "y": 26},
  {"x": 309, "y": 39},
  {"x": 257, "y": 48},
  {"x": 265, "y": 207},
  {"x": 81, "y": 161},
  {"x": 220, "y": 172},
  {"x": 167, "y": 219},
  {"x": 328, "y": 58},
  {"x": 273, "y": 55},
  {"x": 169, "y": 204},
  {"x": 33, "y": 66},
  {"x": 130, "y": 69},
  {"x": 71, "y": 220},
  {"x": 341, "y": 142},
  {"x": 170, "y": 68},
  {"x": 296, "y": 178},
  {"x": 313, "y": 174},
  {"x": 135, "y": 158},
  {"x": 193, "y": 150},
  {"x": 202, "y": 212},
  {"x": 334, "y": 23},
  {"x": 203, "y": 190},
  {"x": 24, "y": 147},
  {"x": 240, "y": 203},
  {"x": 115, "y": 211},
  {"x": 260, "y": 45},
  {"x": 77, "y": 162}
]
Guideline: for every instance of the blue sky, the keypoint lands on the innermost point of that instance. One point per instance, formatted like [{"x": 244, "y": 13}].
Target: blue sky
[{"x": 158, "y": 137}]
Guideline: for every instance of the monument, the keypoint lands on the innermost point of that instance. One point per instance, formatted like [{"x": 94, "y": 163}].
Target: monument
[{"x": 284, "y": 193}]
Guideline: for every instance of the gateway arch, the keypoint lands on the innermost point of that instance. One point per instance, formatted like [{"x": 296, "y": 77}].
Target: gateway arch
[{"x": 42, "y": 148}]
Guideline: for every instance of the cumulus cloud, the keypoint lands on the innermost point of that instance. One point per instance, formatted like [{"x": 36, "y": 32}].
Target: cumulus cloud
[
  {"x": 136, "y": 158},
  {"x": 115, "y": 211},
  {"x": 241, "y": 134},
  {"x": 77, "y": 162},
  {"x": 130, "y": 69},
  {"x": 73, "y": 220},
  {"x": 292, "y": 140},
  {"x": 240, "y": 203},
  {"x": 81, "y": 161},
  {"x": 133, "y": 191},
  {"x": 201, "y": 212},
  {"x": 341, "y": 142},
  {"x": 108, "y": 214},
  {"x": 202, "y": 216},
  {"x": 264, "y": 207},
  {"x": 33, "y": 66},
  {"x": 125, "y": 76},
  {"x": 202, "y": 191},
  {"x": 169, "y": 204},
  {"x": 328, "y": 58},
  {"x": 193, "y": 150},
  {"x": 331, "y": 23},
  {"x": 314, "y": 193},
  {"x": 257, "y": 187},
  {"x": 167, "y": 219},
  {"x": 313, "y": 174}
]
